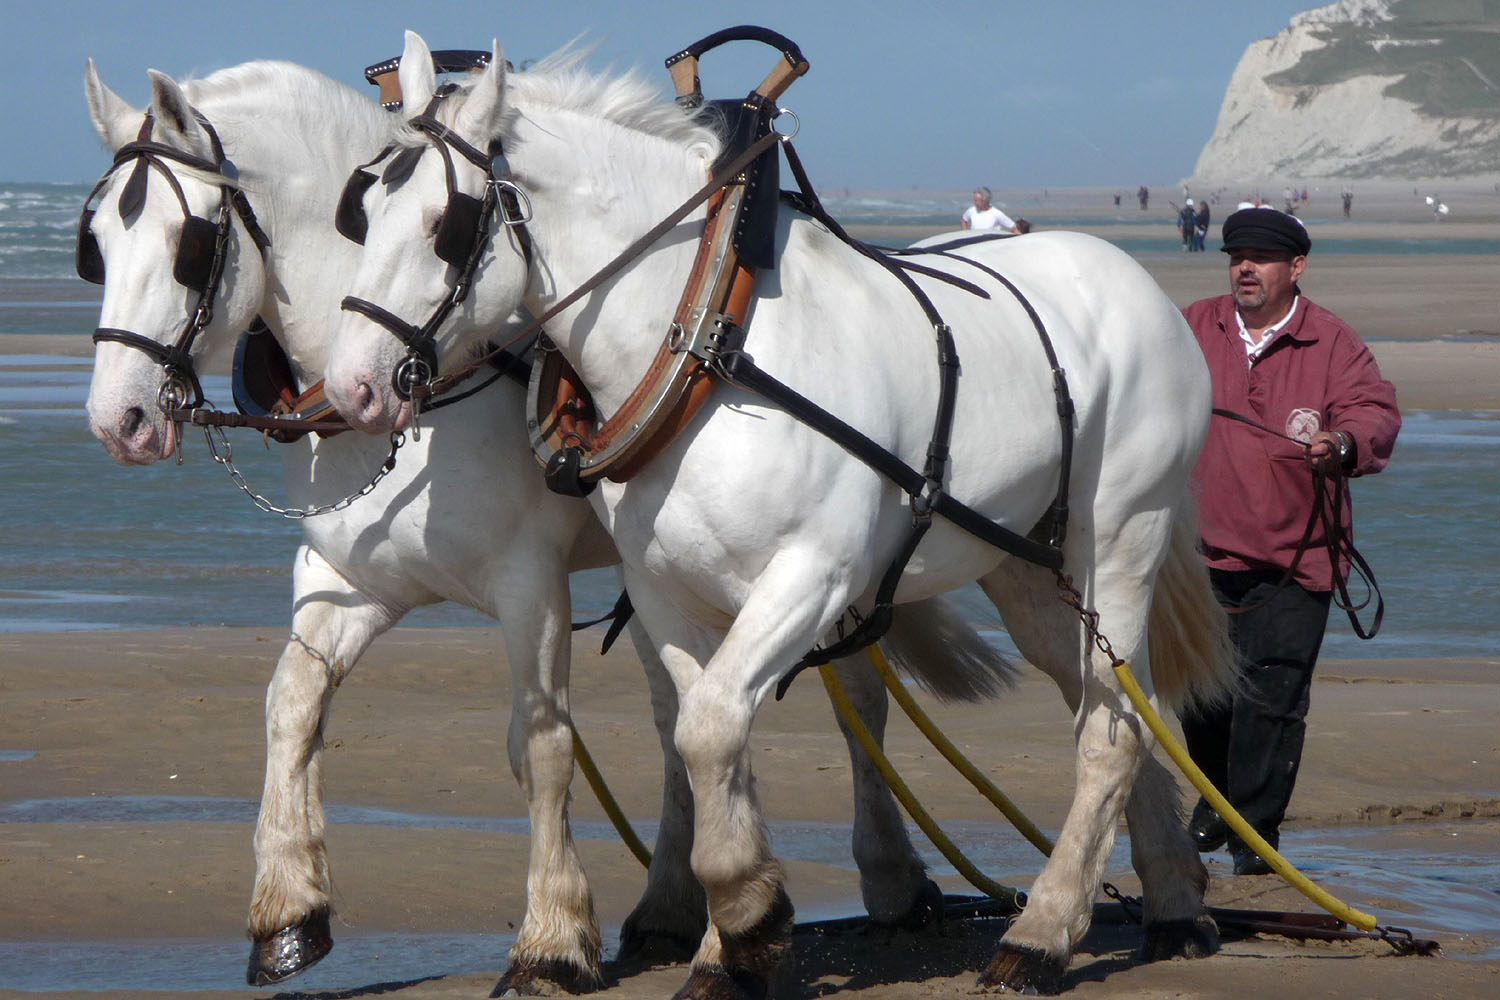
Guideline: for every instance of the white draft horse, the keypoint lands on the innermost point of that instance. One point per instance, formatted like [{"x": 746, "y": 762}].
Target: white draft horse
[
  {"x": 751, "y": 534},
  {"x": 463, "y": 516}
]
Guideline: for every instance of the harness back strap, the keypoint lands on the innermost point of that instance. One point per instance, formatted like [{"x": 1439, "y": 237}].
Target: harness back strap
[{"x": 740, "y": 369}]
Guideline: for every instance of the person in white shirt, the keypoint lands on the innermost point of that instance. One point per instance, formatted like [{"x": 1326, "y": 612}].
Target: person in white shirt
[{"x": 983, "y": 215}]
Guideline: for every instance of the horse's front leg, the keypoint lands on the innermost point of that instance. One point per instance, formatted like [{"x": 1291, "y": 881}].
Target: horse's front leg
[
  {"x": 668, "y": 922},
  {"x": 558, "y": 942},
  {"x": 750, "y": 914},
  {"x": 332, "y": 625}
]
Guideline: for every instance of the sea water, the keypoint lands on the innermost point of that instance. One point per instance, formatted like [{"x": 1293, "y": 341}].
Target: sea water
[{"x": 88, "y": 544}]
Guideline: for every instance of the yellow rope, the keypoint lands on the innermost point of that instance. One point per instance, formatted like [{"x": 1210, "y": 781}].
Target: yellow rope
[
  {"x": 1242, "y": 829},
  {"x": 904, "y": 794},
  {"x": 607, "y": 800},
  {"x": 953, "y": 755}
]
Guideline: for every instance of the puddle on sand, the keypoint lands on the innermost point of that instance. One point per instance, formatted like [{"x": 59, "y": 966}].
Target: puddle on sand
[
  {"x": 166, "y": 965},
  {"x": 1444, "y": 894},
  {"x": 1444, "y": 890}
]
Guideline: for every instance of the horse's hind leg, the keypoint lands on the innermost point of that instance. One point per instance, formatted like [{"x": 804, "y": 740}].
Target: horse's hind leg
[
  {"x": 1112, "y": 746},
  {"x": 331, "y": 627},
  {"x": 1172, "y": 875},
  {"x": 892, "y": 877}
]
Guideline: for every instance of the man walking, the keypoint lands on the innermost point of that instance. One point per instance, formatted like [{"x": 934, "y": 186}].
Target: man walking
[{"x": 1297, "y": 370}]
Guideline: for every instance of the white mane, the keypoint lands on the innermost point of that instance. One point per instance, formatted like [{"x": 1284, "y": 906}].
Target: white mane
[
  {"x": 299, "y": 119},
  {"x": 561, "y": 83}
]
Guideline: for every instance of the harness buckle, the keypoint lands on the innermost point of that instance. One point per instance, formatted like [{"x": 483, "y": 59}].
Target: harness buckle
[
  {"x": 924, "y": 504},
  {"x": 706, "y": 336},
  {"x": 515, "y": 210}
]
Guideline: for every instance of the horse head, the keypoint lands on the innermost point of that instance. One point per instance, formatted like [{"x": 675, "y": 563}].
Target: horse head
[
  {"x": 181, "y": 271},
  {"x": 436, "y": 214}
]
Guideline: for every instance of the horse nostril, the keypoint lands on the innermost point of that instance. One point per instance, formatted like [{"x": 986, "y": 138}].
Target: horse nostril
[
  {"x": 131, "y": 421},
  {"x": 363, "y": 396}
]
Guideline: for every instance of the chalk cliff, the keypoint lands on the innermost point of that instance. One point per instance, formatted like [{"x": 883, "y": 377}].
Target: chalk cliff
[{"x": 1372, "y": 89}]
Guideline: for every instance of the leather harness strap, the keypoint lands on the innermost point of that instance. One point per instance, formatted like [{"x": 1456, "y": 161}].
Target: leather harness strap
[{"x": 576, "y": 452}]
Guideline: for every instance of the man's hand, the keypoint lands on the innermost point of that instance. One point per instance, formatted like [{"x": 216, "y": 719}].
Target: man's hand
[{"x": 1331, "y": 453}]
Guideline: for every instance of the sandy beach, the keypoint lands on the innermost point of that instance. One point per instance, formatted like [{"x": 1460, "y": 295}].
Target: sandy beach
[
  {"x": 1402, "y": 755},
  {"x": 177, "y": 713}
]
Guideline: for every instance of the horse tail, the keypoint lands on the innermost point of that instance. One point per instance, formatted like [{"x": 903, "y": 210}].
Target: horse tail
[
  {"x": 930, "y": 642},
  {"x": 1192, "y": 659}
]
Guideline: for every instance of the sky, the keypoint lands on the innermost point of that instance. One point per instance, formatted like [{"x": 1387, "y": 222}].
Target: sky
[{"x": 934, "y": 96}]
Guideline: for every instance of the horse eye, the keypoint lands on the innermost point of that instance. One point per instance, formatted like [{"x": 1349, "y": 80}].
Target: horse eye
[{"x": 432, "y": 221}]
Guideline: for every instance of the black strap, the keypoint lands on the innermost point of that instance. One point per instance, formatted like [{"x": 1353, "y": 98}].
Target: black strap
[
  {"x": 617, "y": 617},
  {"x": 507, "y": 364},
  {"x": 741, "y": 370},
  {"x": 925, "y": 488},
  {"x": 1327, "y": 510}
]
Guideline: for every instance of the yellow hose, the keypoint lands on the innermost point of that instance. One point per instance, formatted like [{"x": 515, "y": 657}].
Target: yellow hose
[
  {"x": 952, "y": 754},
  {"x": 607, "y": 800},
  {"x": 1242, "y": 829},
  {"x": 904, "y": 794}
]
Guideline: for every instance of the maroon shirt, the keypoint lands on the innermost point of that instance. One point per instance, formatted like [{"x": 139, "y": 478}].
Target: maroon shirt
[{"x": 1255, "y": 491}]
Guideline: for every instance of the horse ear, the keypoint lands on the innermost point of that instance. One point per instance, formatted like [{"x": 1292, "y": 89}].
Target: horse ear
[
  {"x": 417, "y": 75},
  {"x": 175, "y": 117},
  {"x": 480, "y": 116},
  {"x": 115, "y": 120}
]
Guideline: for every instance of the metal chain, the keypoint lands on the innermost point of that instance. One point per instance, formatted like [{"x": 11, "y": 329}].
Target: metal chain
[
  {"x": 295, "y": 513},
  {"x": 1073, "y": 599}
]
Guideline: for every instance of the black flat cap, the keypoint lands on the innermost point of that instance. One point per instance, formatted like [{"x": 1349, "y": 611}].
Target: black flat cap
[{"x": 1265, "y": 229}]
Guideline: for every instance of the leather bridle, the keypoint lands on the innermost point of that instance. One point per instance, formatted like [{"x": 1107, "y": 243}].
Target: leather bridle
[
  {"x": 199, "y": 263},
  {"x": 462, "y": 238}
]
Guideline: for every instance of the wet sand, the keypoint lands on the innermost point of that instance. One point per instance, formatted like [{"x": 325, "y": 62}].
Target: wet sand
[{"x": 1405, "y": 750}]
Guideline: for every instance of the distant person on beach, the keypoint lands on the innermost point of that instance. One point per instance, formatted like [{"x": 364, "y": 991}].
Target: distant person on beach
[
  {"x": 983, "y": 215},
  {"x": 1200, "y": 225},
  {"x": 1144, "y": 194},
  {"x": 1348, "y": 195},
  {"x": 1294, "y": 369},
  {"x": 1187, "y": 222}
]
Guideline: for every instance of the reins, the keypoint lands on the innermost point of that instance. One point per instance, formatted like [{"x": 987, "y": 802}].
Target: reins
[
  {"x": 444, "y": 383},
  {"x": 1327, "y": 513}
]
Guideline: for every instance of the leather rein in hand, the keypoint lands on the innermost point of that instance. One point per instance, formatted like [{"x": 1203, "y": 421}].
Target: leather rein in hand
[{"x": 1327, "y": 510}]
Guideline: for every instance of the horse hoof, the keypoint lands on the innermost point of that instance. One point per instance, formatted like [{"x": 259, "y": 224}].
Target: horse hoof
[
  {"x": 649, "y": 948},
  {"x": 546, "y": 977},
  {"x": 664, "y": 931},
  {"x": 289, "y": 951},
  {"x": 1195, "y": 938},
  {"x": 751, "y": 958},
  {"x": 926, "y": 911},
  {"x": 1023, "y": 970},
  {"x": 720, "y": 984}
]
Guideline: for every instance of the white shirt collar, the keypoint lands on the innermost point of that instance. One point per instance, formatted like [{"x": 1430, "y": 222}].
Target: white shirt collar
[{"x": 1252, "y": 349}]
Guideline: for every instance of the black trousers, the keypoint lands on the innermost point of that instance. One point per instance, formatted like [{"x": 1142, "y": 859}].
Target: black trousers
[{"x": 1251, "y": 746}]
